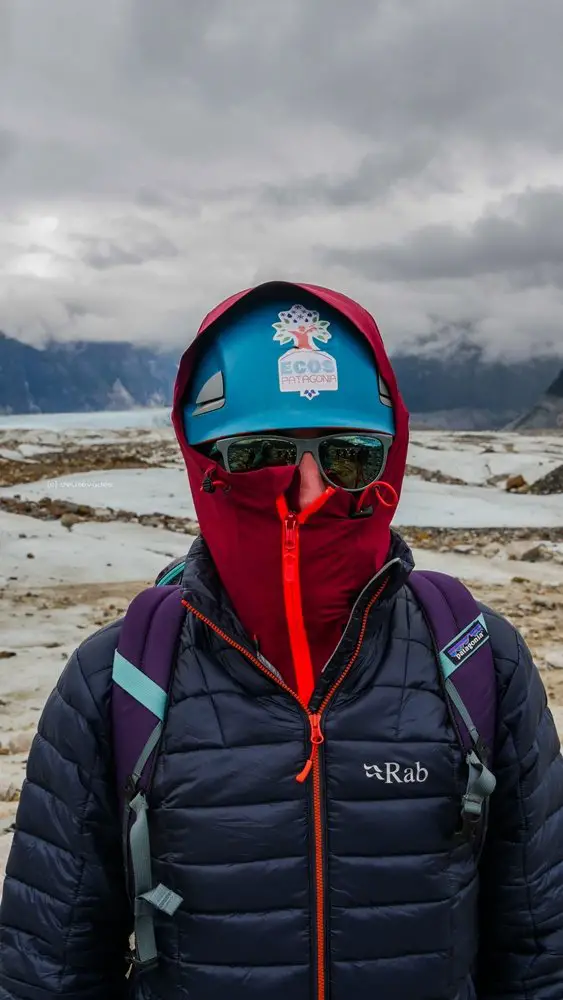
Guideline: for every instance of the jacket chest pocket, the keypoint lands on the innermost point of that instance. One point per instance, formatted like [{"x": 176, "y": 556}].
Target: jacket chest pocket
[{"x": 406, "y": 798}]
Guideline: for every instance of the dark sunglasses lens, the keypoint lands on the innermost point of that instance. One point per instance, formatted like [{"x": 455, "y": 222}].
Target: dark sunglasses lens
[
  {"x": 352, "y": 461},
  {"x": 248, "y": 454}
]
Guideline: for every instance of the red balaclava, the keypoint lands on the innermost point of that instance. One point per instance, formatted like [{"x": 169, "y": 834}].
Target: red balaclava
[{"x": 293, "y": 579}]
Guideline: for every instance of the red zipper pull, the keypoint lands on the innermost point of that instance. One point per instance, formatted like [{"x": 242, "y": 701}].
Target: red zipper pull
[
  {"x": 289, "y": 546},
  {"x": 317, "y": 738},
  {"x": 290, "y": 530}
]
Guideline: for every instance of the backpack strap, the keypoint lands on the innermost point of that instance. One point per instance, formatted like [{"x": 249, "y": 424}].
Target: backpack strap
[
  {"x": 142, "y": 672},
  {"x": 465, "y": 656},
  {"x": 172, "y": 573}
]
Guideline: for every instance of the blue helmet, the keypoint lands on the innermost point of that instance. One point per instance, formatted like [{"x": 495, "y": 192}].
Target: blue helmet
[{"x": 283, "y": 365}]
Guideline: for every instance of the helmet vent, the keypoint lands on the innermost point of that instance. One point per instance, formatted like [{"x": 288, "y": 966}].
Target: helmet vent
[
  {"x": 384, "y": 394},
  {"x": 211, "y": 396}
]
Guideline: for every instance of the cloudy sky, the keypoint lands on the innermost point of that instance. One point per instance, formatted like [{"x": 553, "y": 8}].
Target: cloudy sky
[{"x": 157, "y": 155}]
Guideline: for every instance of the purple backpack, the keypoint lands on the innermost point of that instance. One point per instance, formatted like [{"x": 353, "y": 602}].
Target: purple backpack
[{"x": 142, "y": 675}]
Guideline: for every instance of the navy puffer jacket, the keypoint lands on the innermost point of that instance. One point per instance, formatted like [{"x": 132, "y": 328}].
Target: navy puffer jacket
[{"x": 407, "y": 910}]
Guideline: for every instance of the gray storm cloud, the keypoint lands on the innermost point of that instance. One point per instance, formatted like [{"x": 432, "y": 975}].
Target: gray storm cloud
[{"x": 156, "y": 157}]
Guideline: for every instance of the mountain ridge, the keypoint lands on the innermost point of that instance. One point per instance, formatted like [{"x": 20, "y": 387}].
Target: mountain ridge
[
  {"x": 547, "y": 413},
  {"x": 461, "y": 391},
  {"x": 81, "y": 376}
]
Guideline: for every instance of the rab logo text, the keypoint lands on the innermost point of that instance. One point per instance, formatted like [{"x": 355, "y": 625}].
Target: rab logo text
[{"x": 391, "y": 772}]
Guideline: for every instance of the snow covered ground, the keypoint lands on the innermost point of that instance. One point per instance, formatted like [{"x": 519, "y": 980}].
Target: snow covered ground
[
  {"x": 475, "y": 457},
  {"x": 478, "y": 458},
  {"x": 423, "y": 504},
  {"x": 437, "y": 505},
  {"x": 43, "y": 553},
  {"x": 114, "y": 419},
  {"x": 142, "y": 491}
]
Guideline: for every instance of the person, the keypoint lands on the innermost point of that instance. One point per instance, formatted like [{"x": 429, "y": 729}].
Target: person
[{"x": 303, "y": 654}]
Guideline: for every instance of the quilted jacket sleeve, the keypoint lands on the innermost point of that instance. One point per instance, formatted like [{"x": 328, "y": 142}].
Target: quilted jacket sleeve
[
  {"x": 64, "y": 919},
  {"x": 521, "y": 932}
]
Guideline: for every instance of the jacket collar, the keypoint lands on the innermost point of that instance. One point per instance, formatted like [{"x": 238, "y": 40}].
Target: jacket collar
[{"x": 203, "y": 588}]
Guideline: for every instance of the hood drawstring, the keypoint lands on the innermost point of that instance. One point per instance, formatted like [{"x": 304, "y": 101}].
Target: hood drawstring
[
  {"x": 362, "y": 511},
  {"x": 209, "y": 484}
]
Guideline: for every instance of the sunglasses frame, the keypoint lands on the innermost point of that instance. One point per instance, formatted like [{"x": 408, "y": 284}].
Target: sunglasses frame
[{"x": 305, "y": 446}]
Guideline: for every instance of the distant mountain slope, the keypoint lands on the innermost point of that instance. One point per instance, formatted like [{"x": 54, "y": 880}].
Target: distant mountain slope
[
  {"x": 457, "y": 392},
  {"x": 478, "y": 394},
  {"x": 547, "y": 414},
  {"x": 64, "y": 378}
]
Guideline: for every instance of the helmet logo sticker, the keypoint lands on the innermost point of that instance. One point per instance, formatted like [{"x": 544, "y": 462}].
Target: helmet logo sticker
[{"x": 305, "y": 368}]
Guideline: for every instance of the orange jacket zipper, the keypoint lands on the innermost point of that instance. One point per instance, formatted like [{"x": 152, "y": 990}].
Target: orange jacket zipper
[{"x": 312, "y": 764}]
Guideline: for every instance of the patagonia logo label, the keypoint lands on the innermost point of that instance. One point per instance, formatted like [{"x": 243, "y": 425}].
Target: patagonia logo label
[{"x": 465, "y": 644}]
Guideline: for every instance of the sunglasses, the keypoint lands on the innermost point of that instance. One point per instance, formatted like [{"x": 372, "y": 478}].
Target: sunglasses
[{"x": 348, "y": 461}]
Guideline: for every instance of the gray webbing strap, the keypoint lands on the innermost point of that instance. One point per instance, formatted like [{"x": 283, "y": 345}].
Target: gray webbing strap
[
  {"x": 148, "y": 748},
  {"x": 481, "y": 782},
  {"x": 456, "y": 698},
  {"x": 140, "y": 855},
  {"x": 147, "y": 898}
]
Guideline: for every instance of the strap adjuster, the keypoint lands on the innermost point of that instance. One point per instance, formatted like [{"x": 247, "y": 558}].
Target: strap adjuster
[{"x": 481, "y": 784}]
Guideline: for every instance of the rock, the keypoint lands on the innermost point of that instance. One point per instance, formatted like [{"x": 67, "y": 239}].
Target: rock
[
  {"x": 9, "y": 793},
  {"x": 515, "y": 483},
  {"x": 68, "y": 519},
  {"x": 20, "y": 743},
  {"x": 6, "y": 654},
  {"x": 538, "y": 553},
  {"x": 22, "y": 534},
  {"x": 102, "y": 514},
  {"x": 30, "y": 555},
  {"x": 153, "y": 521},
  {"x": 463, "y": 550},
  {"x": 491, "y": 550},
  {"x": 543, "y": 602},
  {"x": 554, "y": 661},
  {"x": 552, "y": 483}
]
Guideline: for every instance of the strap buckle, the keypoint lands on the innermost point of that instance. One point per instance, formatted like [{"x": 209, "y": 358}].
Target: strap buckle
[
  {"x": 481, "y": 784},
  {"x": 130, "y": 789},
  {"x": 134, "y": 962}
]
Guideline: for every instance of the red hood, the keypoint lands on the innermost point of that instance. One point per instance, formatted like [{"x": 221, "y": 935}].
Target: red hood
[{"x": 242, "y": 527}]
